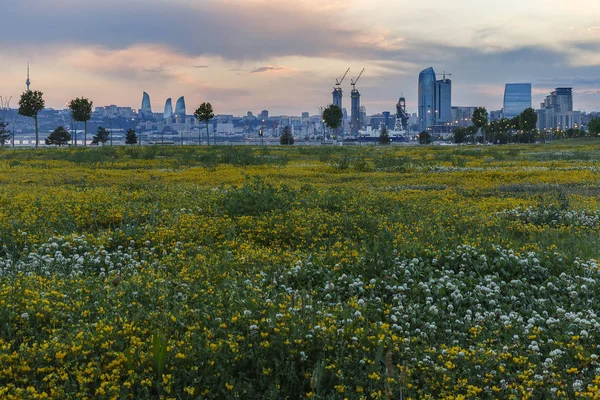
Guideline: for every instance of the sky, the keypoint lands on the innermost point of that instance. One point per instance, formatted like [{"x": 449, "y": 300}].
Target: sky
[{"x": 285, "y": 55}]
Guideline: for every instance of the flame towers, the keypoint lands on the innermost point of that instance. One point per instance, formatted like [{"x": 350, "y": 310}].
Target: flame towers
[
  {"x": 180, "y": 108},
  {"x": 146, "y": 110},
  {"x": 168, "y": 109}
]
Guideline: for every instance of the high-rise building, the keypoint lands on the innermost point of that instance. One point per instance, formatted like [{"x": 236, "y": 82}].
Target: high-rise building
[
  {"x": 556, "y": 111},
  {"x": 180, "y": 108},
  {"x": 168, "y": 109},
  {"x": 337, "y": 97},
  {"x": 426, "y": 98},
  {"x": 355, "y": 121},
  {"x": 517, "y": 98},
  {"x": 462, "y": 116},
  {"x": 146, "y": 110},
  {"x": 435, "y": 101},
  {"x": 443, "y": 101},
  {"x": 264, "y": 114}
]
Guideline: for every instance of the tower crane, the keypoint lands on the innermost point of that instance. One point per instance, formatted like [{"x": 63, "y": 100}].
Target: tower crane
[
  {"x": 445, "y": 73},
  {"x": 354, "y": 82},
  {"x": 338, "y": 82}
]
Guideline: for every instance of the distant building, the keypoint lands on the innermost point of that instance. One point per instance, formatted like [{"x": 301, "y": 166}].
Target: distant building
[
  {"x": 495, "y": 115},
  {"x": 168, "y": 109},
  {"x": 426, "y": 99},
  {"x": 556, "y": 111},
  {"x": 517, "y": 98},
  {"x": 462, "y": 116},
  {"x": 443, "y": 101},
  {"x": 435, "y": 103},
  {"x": 180, "y": 108},
  {"x": 362, "y": 113},
  {"x": 146, "y": 110},
  {"x": 264, "y": 114},
  {"x": 355, "y": 121},
  {"x": 337, "y": 97}
]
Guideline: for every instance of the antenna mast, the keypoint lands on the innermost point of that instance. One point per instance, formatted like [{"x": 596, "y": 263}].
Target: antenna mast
[{"x": 28, "y": 82}]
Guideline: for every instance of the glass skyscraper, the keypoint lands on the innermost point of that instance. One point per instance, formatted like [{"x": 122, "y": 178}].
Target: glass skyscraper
[
  {"x": 443, "y": 101},
  {"x": 517, "y": 98},
  {"x": 180, "y": 108},
  {"x": 426, "y": 98},
  {"x": 146, "y": 111},
  {"x": 435, "y": 100},
  {"x": 168, "y": 109}
]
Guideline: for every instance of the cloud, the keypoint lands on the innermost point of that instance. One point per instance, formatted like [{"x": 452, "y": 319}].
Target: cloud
[
  {"x": 200, "y": 66},
  {"x": 271, "y": 68},
  {"x": 234, "y": 30}
]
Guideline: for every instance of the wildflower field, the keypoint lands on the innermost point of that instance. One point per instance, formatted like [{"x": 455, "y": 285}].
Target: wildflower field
[{"x": 291, "y": 273}]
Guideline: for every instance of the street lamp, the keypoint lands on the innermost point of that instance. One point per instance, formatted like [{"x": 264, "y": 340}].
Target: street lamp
[{"x": 261, "y": 132}]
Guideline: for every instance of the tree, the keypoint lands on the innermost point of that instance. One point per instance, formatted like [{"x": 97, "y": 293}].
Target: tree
[
  {"x": 528, "y": 122},
  {"x": 131, "y": 137},
  {"x": 204, "y": 113},
  {"x": 5, "y": 134},
  {"x": 332, "y": 116},
  {"x": 425, "y": 138},
  {"x": 384, "y": 136},
  {"x": 102, "y": 136},
  {"x": 286, "y": 137},
  {"x": 480, "y": 119},
  {"x": 60, "y": 137},
  {"x": 461, "y": 135},
  {"x": 81, "y": 111},
  {"x": 30, "y": 105},
  {"x": 594, "y": 127}
]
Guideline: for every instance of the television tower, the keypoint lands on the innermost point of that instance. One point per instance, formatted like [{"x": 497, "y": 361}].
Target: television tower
[{"x": 28, "y": 82}]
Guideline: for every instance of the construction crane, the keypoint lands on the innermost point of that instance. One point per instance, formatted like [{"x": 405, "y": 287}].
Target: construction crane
[
  {"x": 444, "y": 74},
  {"x": 354, "y": 82},
  {"x": 338, "y": 82}
]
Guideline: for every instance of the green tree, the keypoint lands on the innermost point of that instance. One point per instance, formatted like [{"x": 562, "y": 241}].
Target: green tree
[
  {"x": 102, "y": 136},
  {"x": 480, "y": 119},
  {"x": 425, "y": 138},
  {"x": 5, "y": 133},
  {"x": 81, "y": 111},
  {"x": 131, "y": 137},
  {"x": 461, "y": 135},
  {"x": 332, "y": 116},
  {"x": 594, "y": 127},
  {"x": 527, "y": 123},
  {"x": 30, "y": 104},
  {"x": 384, "y": 135},
  {"x": 204, "y": 113},
  {"x": 286, "y": 138},
  {"x": 59, "y": 137}
]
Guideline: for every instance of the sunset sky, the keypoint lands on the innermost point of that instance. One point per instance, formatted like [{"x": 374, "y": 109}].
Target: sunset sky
[{"x": 284, "y": 55}]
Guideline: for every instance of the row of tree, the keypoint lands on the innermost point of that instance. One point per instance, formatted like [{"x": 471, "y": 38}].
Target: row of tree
[
  {"x": 61, "y": 137},
  {"x": 32, "y": 102},
  {"x": 520, "y": 129}
]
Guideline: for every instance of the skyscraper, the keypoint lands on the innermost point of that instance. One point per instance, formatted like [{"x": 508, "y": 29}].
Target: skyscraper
[
  {"x": 443, "y": 101},
  {"x": 168, "y": 109},
  {"x": 337, "y": 97},
  {"x": 556, "y": 112},
  {"x": 180, "y": 108},
  {"x": 517, "y": 98},
  {"x": 426, "y": 98},
  {"x": 146, "y": 110},
  {"x": 355, "y": 111}
]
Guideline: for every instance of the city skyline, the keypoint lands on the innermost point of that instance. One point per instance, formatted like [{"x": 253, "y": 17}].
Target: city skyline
[{"x": 285, "y": 56}]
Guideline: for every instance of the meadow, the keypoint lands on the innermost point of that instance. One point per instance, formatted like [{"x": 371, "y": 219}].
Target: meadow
[{"x": 425, "y": 272}]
